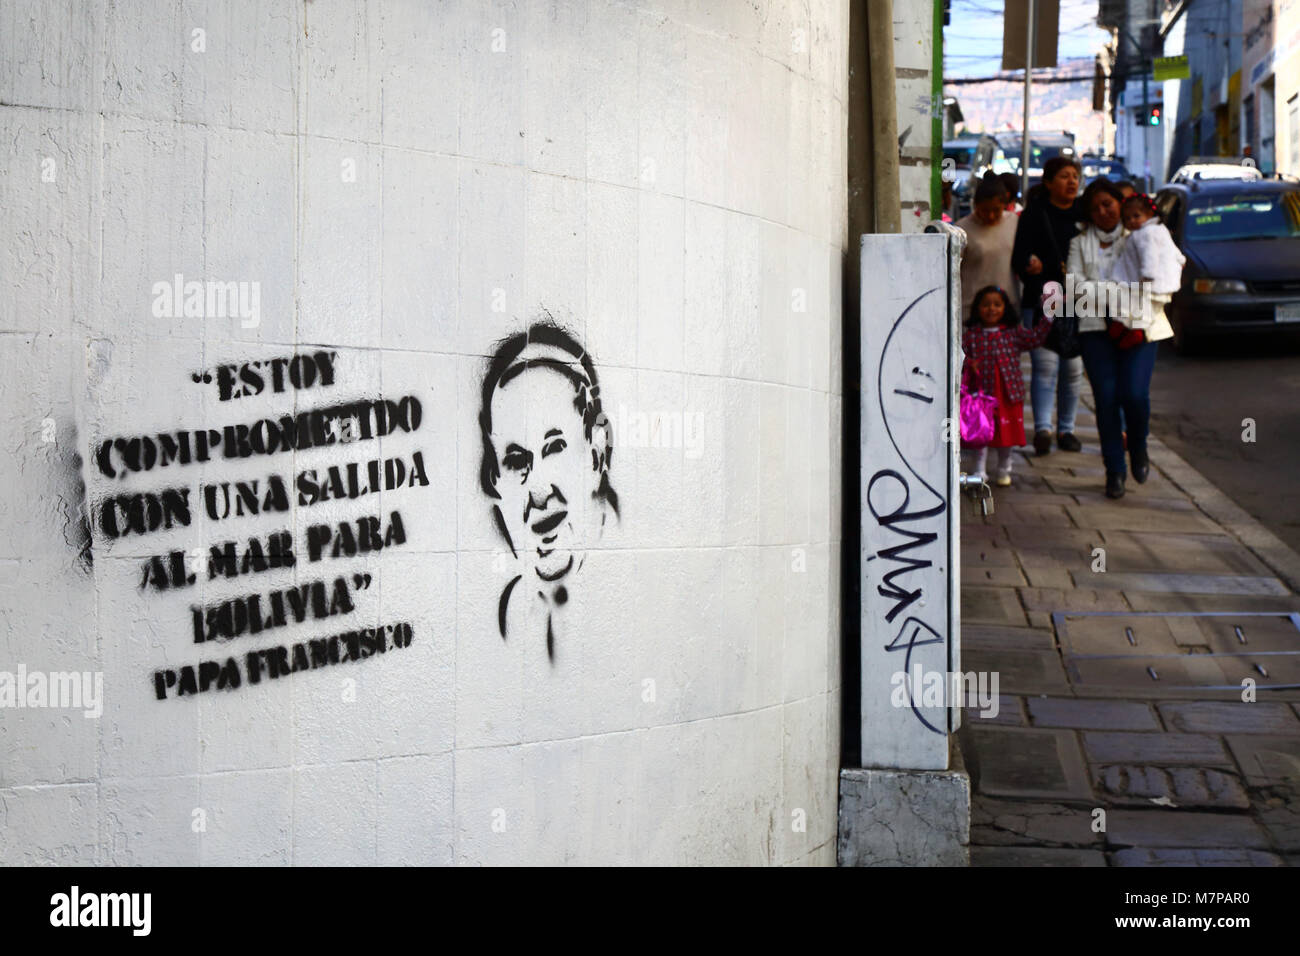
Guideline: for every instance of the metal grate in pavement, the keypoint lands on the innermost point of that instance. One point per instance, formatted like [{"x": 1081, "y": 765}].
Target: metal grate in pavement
[{"x": 1162, "y": 652}]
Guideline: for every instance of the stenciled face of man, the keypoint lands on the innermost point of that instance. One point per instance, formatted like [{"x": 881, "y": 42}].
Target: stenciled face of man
[{"x": 547, "y": 479}]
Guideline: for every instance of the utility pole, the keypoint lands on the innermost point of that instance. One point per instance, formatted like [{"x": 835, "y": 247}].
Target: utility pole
[
  {"x": 1146, "y": 128},
  {"x": 1029, "y": 69}
]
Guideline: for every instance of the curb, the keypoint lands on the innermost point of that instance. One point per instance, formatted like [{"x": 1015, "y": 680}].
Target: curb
[{"x": 1221, "y": 509}]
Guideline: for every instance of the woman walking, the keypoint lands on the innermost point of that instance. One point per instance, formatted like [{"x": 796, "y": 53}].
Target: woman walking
[
  {"x": 1046, "y": 226},
  {"x": 990, "y": 235},
  {"x": 1119, "y": 365}
]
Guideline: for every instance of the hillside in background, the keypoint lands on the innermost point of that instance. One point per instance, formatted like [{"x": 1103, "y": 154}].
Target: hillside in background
[{"x": 998, "y": 104}]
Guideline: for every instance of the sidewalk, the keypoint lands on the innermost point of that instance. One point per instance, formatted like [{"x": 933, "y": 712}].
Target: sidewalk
[{"x": 1121, "y": 688}]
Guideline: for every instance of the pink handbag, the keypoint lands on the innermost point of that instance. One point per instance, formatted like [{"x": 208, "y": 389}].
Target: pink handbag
[{"x": 979, "y": 415}]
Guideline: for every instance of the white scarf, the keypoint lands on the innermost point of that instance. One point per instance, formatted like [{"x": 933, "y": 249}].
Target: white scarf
[
  {"x": 1108, "y": 236},
  {"x": 1098, "y": 262}
]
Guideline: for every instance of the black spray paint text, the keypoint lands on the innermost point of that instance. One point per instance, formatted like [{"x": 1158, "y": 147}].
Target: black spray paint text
[
  {"x": 119, "y": 457},
  {"x": 252, "y": 378},
  {"x": 339, "y": 482},
  {"x": 230, "y": 559},
  {"x": 291, "y": 605},
  {"x": 895, "y": 521},
  {"x": 276, "y": 539},
  {"x": 281, "y": 661},
  {"x": 120, "y": 515}
]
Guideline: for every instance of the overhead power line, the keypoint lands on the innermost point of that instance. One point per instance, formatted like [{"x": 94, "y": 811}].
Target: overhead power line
[
  {"x": 1016, "y": 78},
  {"x": 1082, "y": 28}
]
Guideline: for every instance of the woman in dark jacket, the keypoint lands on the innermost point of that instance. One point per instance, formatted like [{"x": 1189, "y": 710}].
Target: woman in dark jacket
[{"x": 1048, "y": 223}]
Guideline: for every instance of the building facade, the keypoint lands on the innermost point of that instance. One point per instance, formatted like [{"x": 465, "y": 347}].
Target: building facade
[{"x": 1242, "y": 94}]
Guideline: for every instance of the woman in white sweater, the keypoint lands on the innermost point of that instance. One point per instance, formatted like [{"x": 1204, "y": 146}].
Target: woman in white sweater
[
  {"x": 990, "y": 234},
  {"x": 1119, "y": 367}
]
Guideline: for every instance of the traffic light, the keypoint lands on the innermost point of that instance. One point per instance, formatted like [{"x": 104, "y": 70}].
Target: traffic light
[
  {"x": 1140, "y": 117},
  {"x": 1155, "y": 116}
]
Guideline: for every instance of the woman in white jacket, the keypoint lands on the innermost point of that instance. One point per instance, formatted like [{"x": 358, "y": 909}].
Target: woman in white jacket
[{"x": 1119, "y": 366}]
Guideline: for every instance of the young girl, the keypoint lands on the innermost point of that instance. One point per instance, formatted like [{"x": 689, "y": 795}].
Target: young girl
[
  {"x": 993, "y": 341},
  {"x": 1150, "y": 257}
]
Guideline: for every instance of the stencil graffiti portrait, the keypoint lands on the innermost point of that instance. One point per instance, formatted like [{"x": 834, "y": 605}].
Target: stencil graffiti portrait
[{"x": 546, "y": 457}]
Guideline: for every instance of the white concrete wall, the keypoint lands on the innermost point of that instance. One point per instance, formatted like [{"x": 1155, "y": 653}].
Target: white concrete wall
[
  {"x": 408, "y": 183},
  {"x": 914, "y": 91}
]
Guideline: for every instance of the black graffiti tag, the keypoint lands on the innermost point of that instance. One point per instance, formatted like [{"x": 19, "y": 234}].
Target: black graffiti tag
[
  {"x": 894, "y": 521},
  {"x": 914, "y": 633},
  {"x": 909, "y": 525}
]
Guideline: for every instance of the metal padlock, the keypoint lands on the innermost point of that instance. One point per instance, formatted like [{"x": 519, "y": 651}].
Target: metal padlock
[{"x": 986, "y": 499}]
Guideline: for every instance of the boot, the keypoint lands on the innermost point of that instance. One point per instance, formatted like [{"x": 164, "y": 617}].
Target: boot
[
  {"x": 1114, "y": 485},
  {"x": 1141, "y": 464}
]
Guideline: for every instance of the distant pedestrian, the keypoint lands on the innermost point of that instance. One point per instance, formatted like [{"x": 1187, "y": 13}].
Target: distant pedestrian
[
  {"x": 1048, "y": 223},
  {"x": 993, "y": 341},
  {"x": 1011, "y": 183},
  {"x": 990, "y": 236}
]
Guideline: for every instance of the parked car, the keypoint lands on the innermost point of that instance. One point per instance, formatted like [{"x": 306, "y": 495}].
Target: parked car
[
  {"x": 1242, "y": 242},
  {"x": 1094, "y": 167},
  {"x": 1002, "y": 153},
  {"x": 1215, "y": 167}
]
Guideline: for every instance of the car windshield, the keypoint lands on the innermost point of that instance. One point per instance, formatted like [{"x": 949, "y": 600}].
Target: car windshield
[
  {"x": 961, "y": 155},
  {"x": 1109, "y": 170},
  {"x": 1038, "y": 155},
  {"x": 1244, "y": 215}
]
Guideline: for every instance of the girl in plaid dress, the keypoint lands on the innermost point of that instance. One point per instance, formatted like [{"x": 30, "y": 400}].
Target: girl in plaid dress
[{"x": 993, "y": 341}]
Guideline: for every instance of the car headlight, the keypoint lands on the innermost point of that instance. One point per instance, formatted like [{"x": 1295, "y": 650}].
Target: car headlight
[{"x": 1208, "y": 286}]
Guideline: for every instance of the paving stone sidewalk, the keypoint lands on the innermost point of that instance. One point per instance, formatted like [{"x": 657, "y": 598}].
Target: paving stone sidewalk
[{"x": 1122, "y": 632}]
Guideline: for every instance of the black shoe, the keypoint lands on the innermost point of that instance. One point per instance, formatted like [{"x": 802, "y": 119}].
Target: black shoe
[
  {"x": 1042, "y": 442},
  {"x": 1141, "y": 465},
  {"x": 1067, "y": 442},
  {"x": 1114, "y": 485}
]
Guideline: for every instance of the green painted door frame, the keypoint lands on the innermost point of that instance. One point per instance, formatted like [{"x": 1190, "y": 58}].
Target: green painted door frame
[{"x": 936, "y": 114}]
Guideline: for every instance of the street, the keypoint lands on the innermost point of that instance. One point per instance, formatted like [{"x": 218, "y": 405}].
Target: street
[{"x": 1197, "y": 408}]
